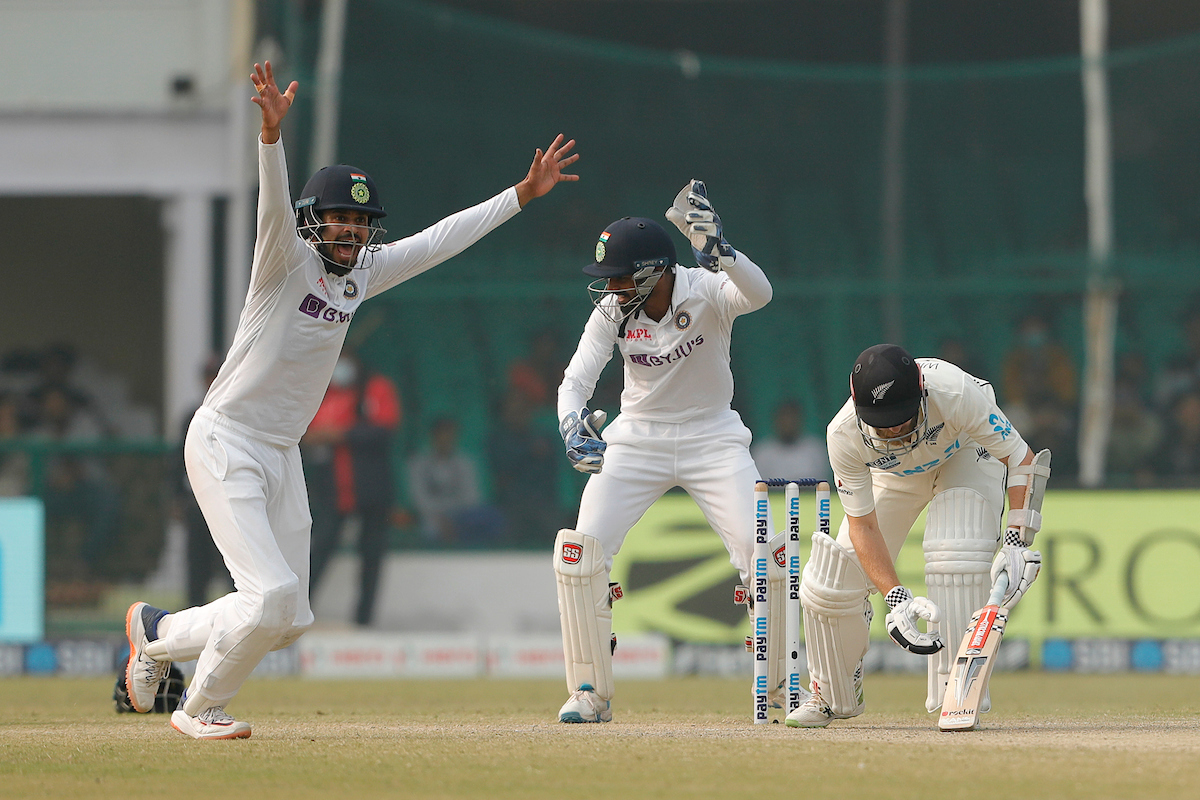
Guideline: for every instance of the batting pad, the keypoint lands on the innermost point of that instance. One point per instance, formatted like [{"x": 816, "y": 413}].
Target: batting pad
[
  {"x": 585, "y": 611},
  {"x": 961, "y": 535},
  {"x": 833, "y": 594}
]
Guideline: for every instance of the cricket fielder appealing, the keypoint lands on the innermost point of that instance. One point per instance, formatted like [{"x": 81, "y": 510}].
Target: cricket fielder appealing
[
  {"x": 672, "y": 326},
  {"x": 915, "y": 433},
  {"x": 313, "y": 265}
]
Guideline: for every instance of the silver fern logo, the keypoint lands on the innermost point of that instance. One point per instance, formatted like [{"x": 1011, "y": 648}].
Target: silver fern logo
[{"x": 879, "y": 391}]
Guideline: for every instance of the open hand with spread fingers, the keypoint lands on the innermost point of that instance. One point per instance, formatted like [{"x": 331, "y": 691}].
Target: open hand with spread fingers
[
  {"x": 274, "y": 104},
  {"x": 546, "y": 171}
]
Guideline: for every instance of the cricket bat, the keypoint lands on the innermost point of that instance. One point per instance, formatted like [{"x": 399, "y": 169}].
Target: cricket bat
[{"x": 973, "y": 664}]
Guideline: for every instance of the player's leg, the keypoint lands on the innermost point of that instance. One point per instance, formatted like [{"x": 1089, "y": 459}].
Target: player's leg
[
  {"x": 634, "y": 476},
  {"x": 837, "y": 612},
  {"x": 962, "y": 532},
  {"x": 716, "y": 469},
  {"x": 244, "y": 488}
]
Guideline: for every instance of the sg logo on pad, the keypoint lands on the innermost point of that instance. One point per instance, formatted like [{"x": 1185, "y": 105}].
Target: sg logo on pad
[{"x": 571, "y": 553}]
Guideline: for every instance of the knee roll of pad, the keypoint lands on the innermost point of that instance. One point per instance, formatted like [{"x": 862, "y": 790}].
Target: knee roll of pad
[
  {"x": 585, "y": 611},
  {"x": 961, "y": 535},
  {"x": 833, "y": 594}
]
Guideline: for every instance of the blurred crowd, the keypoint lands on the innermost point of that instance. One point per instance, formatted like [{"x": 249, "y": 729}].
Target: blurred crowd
[{"x": 379, "y": 480}]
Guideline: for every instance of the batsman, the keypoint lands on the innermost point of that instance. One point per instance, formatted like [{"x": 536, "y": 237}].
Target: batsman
[{"x": 916, "y": 434}]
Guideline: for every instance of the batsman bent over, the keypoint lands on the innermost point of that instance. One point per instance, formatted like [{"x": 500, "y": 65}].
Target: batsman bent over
[{"x": 915, "y": 433}]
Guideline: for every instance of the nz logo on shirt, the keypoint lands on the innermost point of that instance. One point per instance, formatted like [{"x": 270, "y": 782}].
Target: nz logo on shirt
[
  {"x": 1000, "y": 425},
  {"x": 317, "y": 308},
  {"x": 931, "y": 435}
]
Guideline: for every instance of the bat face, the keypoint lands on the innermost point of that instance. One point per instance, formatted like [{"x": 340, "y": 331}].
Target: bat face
[{"x": 972, "y": 668}]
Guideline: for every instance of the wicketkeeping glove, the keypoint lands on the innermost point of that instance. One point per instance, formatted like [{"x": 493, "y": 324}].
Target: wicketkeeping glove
[
  {"x": 581, "y": 435},
  {"x": 1021, "y": 564},
  {"x": 902, "y": 622},
  {"x": 695, "y": 217}
]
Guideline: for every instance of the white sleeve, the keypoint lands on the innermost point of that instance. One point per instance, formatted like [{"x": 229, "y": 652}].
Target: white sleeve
[
  {"x": 406, "y": 258},
  {"x": 594, "y": 351},
  {"x": 277, "y": 242},
  {"x": 976, "y": 412},
  {"x": 747, "y": 288},
  {"x": 850, "y": 475}
]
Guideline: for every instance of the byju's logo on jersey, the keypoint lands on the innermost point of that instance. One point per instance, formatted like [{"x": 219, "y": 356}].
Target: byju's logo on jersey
[
  {"x": 571, "y": 553},
  {"x": 317, "y": 308}
]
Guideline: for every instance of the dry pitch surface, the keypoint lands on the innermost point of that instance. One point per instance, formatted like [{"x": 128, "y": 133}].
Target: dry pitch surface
[{"x": 1051, "y": 736}]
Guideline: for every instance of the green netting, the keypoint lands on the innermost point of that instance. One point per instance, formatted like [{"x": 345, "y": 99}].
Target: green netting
[{"x": 445, "y": 108}]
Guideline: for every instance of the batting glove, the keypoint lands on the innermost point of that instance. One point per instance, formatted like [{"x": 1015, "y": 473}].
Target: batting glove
[
  {"x": 696, "y": 219},
  {"x": 581, "y": 435},
  {"x": 902, "y": 622},
  {"x": 1021, "y": 564}
]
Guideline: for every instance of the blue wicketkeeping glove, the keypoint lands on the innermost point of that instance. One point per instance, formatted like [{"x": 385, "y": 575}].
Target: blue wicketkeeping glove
[
  {"x": 581, "y": 435},
  {"x": 694, "y": 215}
]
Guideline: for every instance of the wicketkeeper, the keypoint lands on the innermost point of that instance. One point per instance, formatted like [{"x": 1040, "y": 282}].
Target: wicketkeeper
[
  {"x": 672, "y": 327},
  {"x": 916, "y": 433},
  {"x": 314, "y": 265}
]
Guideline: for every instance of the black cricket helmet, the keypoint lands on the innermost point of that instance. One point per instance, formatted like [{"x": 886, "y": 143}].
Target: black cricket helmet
[
  {"x": 634, "y": 247},
  {"x": 339, "y": 187},
  {"x": 888, "y": 391}
]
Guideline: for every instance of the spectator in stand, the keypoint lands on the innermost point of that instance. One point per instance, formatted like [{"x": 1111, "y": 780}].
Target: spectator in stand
[
  {"x": 538, "y": 375},
  {"x": 525, "y": 467},
  {"x": 444, "y": 488},
  {"x": 791, "y": 453},
  {"x": 14, "y": 465},
  {"x": 1182, "y": 373},
  {"x": 55, "y": 369},
  {"x": 1136, "y": 430},
  {"x": 82, "y": 505},
  {"x": 1040, "y": 390},
  {"x": 1179, "y": 458},
  {"x": 204, "y": 561},
  {"x": 349, "y": 446}
]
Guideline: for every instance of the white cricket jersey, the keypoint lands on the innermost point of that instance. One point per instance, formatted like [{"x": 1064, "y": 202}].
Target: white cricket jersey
[
  {"x": 296, "y": 314},
  {"x": 962, "y": 416},
  {"x": 677, "y": 368}
]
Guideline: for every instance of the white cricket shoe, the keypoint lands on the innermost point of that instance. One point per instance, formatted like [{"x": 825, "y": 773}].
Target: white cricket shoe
[
  {"x": 211, "y": 723},
  {"x": 815, "y": 712},
  {"x": 585, "y": 705},
  {"x": 142, "y": 673}
]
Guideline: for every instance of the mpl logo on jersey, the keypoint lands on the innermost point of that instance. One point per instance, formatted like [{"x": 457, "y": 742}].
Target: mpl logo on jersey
[{"x": 572, "y": 553}]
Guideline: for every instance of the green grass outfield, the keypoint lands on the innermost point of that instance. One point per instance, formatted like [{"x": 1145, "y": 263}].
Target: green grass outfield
[{"x": 1051, "y": 736}]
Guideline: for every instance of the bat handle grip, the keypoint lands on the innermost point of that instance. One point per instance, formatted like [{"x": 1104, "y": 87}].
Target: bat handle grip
[{"x": 998, "y": 589}]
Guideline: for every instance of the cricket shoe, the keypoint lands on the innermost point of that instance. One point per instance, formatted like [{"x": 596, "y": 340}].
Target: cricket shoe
[
  {"x": 815, "y": 713},
  {"x": 585, "y": 705},
  {"x": 211, "y": 723},
  {"x": 142, "y": 673}
]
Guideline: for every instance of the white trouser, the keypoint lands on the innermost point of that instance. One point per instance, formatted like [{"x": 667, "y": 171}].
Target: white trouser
[
  {"x": 253, "y": 497},
  {"x": 954, "y": 584},
  {"x": 709, "y": 457}
]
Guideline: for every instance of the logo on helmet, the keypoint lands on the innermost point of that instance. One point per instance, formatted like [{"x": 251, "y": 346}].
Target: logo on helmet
[
  {"x": 879, "y": 391},
  {"x": 359, "y": 191},
  {"x": 600, "y": 247}
]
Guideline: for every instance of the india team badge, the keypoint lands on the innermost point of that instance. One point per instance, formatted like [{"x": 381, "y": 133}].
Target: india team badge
[
  {"x": 600, "y": 247},
  {"x": 359, "y": 191},
  {"x": 683, "y": 320},
  {"x": 351, "y": 290}
]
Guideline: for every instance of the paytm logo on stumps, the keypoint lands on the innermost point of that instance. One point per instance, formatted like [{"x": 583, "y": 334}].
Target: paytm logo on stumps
[{"x": 22, "y": 569}]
